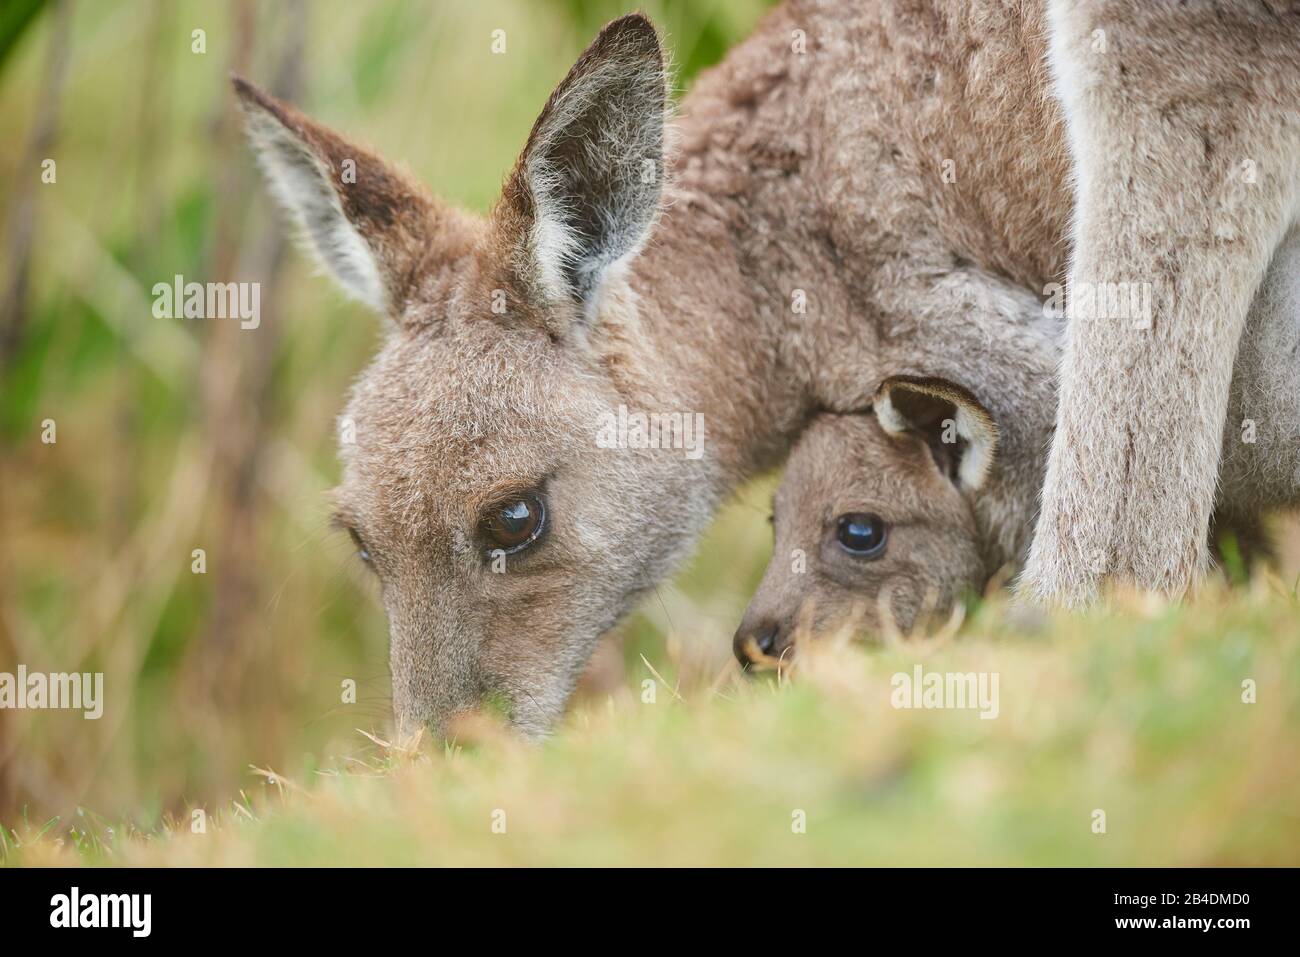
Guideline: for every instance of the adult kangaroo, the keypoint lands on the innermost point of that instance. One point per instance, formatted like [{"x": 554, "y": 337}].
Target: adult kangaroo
[
  {"x": 854, "y": 193},
  {"x": 1184, "y": 127}
]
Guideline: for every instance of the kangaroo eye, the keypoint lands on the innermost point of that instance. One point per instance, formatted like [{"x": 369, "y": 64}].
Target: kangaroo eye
[
  {"x": 363, "y": 553},
  {"x": 516, "y": 525},
  {"x": 861, "y": 534}
]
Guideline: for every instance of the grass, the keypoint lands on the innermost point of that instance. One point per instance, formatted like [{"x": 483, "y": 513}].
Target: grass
[{"x": 1136, "y": 710}]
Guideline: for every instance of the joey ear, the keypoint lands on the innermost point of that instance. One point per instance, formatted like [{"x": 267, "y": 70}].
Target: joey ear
[
  {"x": 960, "y": 431},
  {"x": 370, "y": 226},
  {"x": 586, "y": 190}
]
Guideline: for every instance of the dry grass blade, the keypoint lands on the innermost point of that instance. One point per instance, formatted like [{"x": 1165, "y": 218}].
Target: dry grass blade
[{"x": 660, "y": 678}]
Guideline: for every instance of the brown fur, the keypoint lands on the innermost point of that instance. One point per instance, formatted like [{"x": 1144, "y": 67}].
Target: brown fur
[
  {"x": 844, "y": 464},
  {"x": 939, "y": 545}
]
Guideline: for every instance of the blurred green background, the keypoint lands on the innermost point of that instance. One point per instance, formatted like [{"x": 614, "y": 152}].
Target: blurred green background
[{"x": 174, "y": 435}]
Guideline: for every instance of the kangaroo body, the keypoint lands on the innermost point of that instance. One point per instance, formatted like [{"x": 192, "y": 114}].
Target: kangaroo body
[
  {"x": 1184, "y": 129},
  {"x": 861, "y": 189},
  {"x": 942, "y": 536}
]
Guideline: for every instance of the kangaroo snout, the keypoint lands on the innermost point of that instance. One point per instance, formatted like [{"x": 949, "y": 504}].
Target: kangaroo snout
[{"x": 761, "y": 639}]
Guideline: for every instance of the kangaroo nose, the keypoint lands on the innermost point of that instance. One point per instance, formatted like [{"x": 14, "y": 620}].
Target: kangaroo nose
[{"x": 764, "y": 639}]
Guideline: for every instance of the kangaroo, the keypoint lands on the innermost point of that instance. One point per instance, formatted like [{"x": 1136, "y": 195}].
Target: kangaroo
[
  {"x": 1184, "y": 126},
  {"x": 856, "y": 187},
  {"x": 886, "y": 514}
]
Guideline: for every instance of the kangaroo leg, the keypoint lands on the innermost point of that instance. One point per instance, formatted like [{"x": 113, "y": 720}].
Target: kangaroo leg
[
  {"x": 1183, "y": 123},
  {"x": 1261, "y": 439}
]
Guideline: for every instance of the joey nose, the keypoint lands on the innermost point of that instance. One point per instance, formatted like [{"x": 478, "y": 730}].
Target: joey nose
[{"x": 764, "y": 638}]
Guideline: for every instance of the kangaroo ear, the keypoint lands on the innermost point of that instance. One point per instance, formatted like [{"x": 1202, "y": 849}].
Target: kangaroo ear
[
  {"x": 586, "y": 189},
  {"x": 368, "y": 225},
  {"x": 959, "y": 430}
]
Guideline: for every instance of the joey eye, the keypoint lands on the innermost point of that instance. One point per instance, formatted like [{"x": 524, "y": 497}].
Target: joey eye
[
  {"x": 363, "y": 553},
  {"x": 515, "y": 525},
  {"x": 861, "y": 534}
]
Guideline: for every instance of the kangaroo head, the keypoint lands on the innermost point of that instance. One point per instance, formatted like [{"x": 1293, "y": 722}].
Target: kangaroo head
[
  {"x": 505, "y": 541},
  {"x": 874, "y": 517}
]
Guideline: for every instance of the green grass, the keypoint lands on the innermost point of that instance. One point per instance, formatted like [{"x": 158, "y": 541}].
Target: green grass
[{"x": 1136, "y": 711}]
